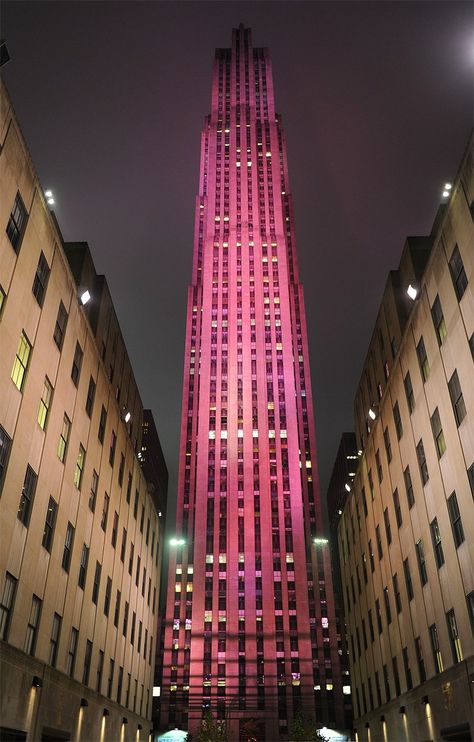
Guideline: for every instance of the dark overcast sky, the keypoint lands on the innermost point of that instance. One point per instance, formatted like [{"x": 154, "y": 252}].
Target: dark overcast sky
[{"x": 377, "y": 107}]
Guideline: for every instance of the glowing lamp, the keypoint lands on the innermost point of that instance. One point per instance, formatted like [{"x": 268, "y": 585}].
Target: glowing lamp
[
  {"x": 372, "y": 414},
  {"x": 85, "y": 297}
]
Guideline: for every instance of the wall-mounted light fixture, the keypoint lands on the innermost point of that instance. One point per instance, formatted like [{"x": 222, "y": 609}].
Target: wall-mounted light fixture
[
  {"x": 106, "y": 712},
  {"x": 84, "y": 297},
  {"x": 402, "y": 710},
  {"x": 37, "y": 682},
  {"x": 84, "y": 702},
  {"x": 425, "y": 700}
]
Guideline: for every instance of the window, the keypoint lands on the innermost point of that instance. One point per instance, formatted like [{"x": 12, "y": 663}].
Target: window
[
  {"x": 90, "y": 397},
  {"x": 470, "y": 476},
  {"x": 17, "y": 223},
  {"x": 60, "y": 326},
  {"x": 130, "y": 561},
  {"x": 142, "y": 519},
  {"x": 32, "y": 627},
  {"x": 364, "y": 502},
  {"x": 454, "y": 637},
  {"x": 102, "y": 424},
  {"x": 388, "y": 530},
  {"x": 124, "y": 545},
  {"x": 79, "y": 467},
  {"x": 438, "y": 434},
  {"x": 20, "y": 363},
  {"x": 409, "y": 392},
  {"x": 96, "y": 585},
  {"x": 125, "y": 619},
  {"x": 121, "y": 469},
  {"x": 108, "y": 591},
  {"x": 398, "y": 423},
  {"x": 420, "y": 660},
  {"x": 71, "y": 655},
  {"x": 437, "y": 546},
  {"x": 114, "y": 530},
  {"x": 409, "y": 487},
  {"x": 76, "y": 365},
  {"x": 137, "y": 574},
  {"x": 27, "y": 495},
  {"x": 420, "y": 452},
  {"x": 438, "y": 320},
  {"x": 3, "y": 296},
  {"x": 470, "y": 607},
  {"x": 396, "y": 592},
  {"x": 5, "y": 445},
  {"x": 110, "y": 680},
  {"x": 420, "y": 555},
  {"x": 388, "y": 445},
  {"x": 117, "y": 608},
  {"x": 135, "y": 504},
  {"x": 455, "y": 518},
  {"x": 83, "y": 566},
  {"x": 93, "y": 492},
  {"x": 457, "y": 400},
  {"x": 378, "y": 614},
  {"x": 437, "y": 658},
  {"x": 129, "y": 487},
  {"x": 113, "y": 443},
  {"x": 398, "y": 510},
  {"x": 132, "y": 631},
  {"x": 100, "y": 669},
  {"x": 458, "y": 274},
  {"x": 40, "y": 281},
  {"x": 49, "y": 524},
  {"x": 68, "y": 544},
  {"x": 87, "y": 663},
  {"x": 105, "y": 512},
  {"x": 388, "y": 611},
  {"x": 64, "y": 438},
  {"x": 423, "y": 359},
  {"x": 45, "y": 403},
  {"x": 6, "y": 605},
  {"x": 379, "y": 466},
  {"x": 379, "y": 542},
  {"x": 54, "y": 641},
  {"x": 408, "y": 580},
  {"x": 119, "y": 685}
]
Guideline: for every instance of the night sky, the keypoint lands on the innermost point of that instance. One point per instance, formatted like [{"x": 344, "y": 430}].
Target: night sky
[{"x": 377, "y": 107}]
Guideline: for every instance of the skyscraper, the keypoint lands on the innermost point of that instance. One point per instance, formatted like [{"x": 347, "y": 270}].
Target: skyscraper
[{"x": 251, "y": 632}]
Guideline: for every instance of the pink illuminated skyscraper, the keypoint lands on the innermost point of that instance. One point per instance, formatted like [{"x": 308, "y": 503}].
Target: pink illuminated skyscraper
[{"x": 250, "y": 624}]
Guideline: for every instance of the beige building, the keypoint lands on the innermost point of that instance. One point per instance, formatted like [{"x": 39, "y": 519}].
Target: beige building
[
  {"x": 407, "y": 529},
  {"x": 80, "y": 549}
]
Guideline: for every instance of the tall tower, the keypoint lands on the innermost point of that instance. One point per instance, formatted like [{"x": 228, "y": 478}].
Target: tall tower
[{"x": 251, "y": 631}]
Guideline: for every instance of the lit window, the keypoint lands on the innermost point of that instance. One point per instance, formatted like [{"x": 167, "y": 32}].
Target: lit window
[
  {"x": 21, "y": 362},
  {"x": 64, "y": 438},
  {"x": 45, "y": 403}
]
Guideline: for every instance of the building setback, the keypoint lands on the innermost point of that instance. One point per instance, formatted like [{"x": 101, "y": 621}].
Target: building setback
[
  {"x": 251, "y": 631},
  {"x": 81, "y": 538},
  {"x": 406, "y": 531}
]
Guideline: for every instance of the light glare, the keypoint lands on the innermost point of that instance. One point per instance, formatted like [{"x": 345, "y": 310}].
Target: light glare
[
  {"x": 85, "y": 297},
  {"x": 412, "y": 292}
]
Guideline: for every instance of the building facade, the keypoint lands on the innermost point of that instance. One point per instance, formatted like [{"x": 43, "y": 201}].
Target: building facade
[
  {"x": 251, "y": 632},
  {"x": 80, "y": 547},
  {"x": 406, "y": 531}
]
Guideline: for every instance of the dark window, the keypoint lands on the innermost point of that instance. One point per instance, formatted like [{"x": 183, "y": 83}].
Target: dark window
[
  {"x": 68, "y": 544},
  {"x": 364, "y": 501},
  {"x": 76, "y": 365},
  {"x": 379, "y": 466},
  {"x": 470, "y": 476},
  {"x": 117, "y": 608},
  {"x": 27, "y": 496},
  {"x": 420, "y": 452},
  {"x": 388, "y": 530},
  {"x": 93, "y": 492},
  {"x": 437, "y": 546},
  {"x": 396, "y": 592},
  {"x": 408, "y": 580},
  {"x": 124, "y": 545},
  {"x": 49, "y": 524},
  {"x": 388, "y": 445},
  {"x": 471, "y": 345},
  {"x": 130, "y": 561},
  {"x": 398, "y": 510},
  {"x": 32, "y": 626},
  {"x": 121, "y": 469},
  {"x": 396, "y": 676},
  {"x": 423, "y": 359},
  {"x": 378, "y": 614},
  {"x": 40, "y": 281},
  {"x": 457, "y": 400},
  {"x": 458, "y": 274},
  {"x": 108, "y": 591},
  {"x": 6, "y": 605},
  {"x": 420, "y": 660},
  {"x": 470, "y": 607},
  {"x": 54, "y": 640},
  {"x": 438, "y": 434},
  {"x": 87, "y": 663},
  {"x": 96, "y": 585},
  {"x": 379, "y": 542},
  {"x": 142, "y": 519},
  {"x": 129, "y": 487},
  {"x": 17, "y": 223},
  {"x": 105, "y": 512},
  {"x": 60, "y": 326},
  {"x": 90, "y": 397},
  {"x": 110, "y": 680},
  {"x": 83, "y": 566},
  {"x": 420, "y": 555},
  {"x": 114, "y": 529},
  {"x": 371, "y": 557},
  {"x": 438, "y": 320},
  {"x": 125, "y": 619},
  {"x": 5, "y": 444},
  {"x": 409, "y": 487},
  {"x": 455, "y": 518},
  {"x": 100, "y": 669},
  {"x": 71, "y": 655},
  {"x": 113, "y": 443},
  {"x": 102, "y": 424},
  {"x": 409, "y": 392},
  {"x": 388, "y": 611},
  {"x": 135, "y": 505},
  {"x": 398, "y": 421}
]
